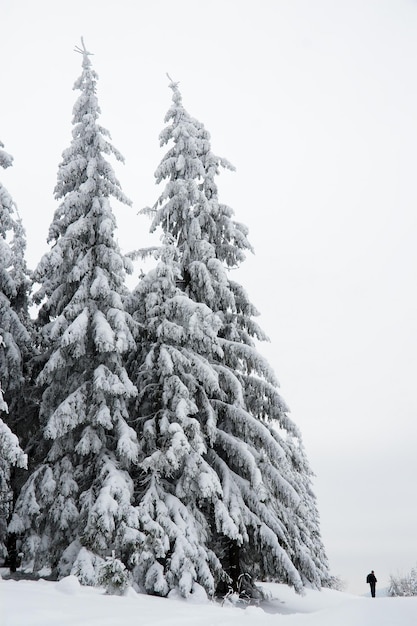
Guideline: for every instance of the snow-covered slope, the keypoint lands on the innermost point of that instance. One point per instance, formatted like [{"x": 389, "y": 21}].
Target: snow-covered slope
[{"x": 66, "y": 603}]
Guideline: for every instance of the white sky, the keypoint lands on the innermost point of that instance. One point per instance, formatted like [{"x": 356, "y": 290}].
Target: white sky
[{"x": 314, "y": 102}]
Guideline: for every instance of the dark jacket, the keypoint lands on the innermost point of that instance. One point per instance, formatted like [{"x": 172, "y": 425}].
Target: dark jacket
[{"x": 371, "y": 578}]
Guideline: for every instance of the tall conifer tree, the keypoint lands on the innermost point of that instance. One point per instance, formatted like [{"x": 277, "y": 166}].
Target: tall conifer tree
[
  {"x": 14, "y": 340},
  {"x": 75, "y": 509},
  {"x": 259, "y": 517}
]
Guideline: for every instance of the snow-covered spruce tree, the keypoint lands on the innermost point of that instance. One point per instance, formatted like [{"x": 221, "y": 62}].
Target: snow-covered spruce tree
[
  {"x": 14, "y": 288},
  {"x": 267, "y": 525},
  {"x": 75, "y": 508},
  {"x": 14, "y": 340},
  {"x": 403, "y": 585}
]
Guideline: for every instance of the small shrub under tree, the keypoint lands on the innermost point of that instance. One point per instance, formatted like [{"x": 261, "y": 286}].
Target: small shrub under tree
[{"x": 113, "y": 576}]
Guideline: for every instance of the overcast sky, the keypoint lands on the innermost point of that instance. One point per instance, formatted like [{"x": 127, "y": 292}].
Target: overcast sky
[{"x": 315, "y": 103}]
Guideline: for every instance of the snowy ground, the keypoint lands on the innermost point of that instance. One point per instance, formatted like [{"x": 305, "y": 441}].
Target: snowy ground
[{"x": 65, "y": 603}]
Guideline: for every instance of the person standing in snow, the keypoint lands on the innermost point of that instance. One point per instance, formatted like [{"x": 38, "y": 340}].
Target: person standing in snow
[{"x": 371, "y": 579}]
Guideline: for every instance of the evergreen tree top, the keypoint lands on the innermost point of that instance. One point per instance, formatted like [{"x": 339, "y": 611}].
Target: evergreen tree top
[
  {"x": 189, "y": 204},
  {"x": 84, "y": 171},
  {"x": 7, "y": 206},
  {"x": 14, "y": 282},
  {"x": 6, "y": 159}
]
